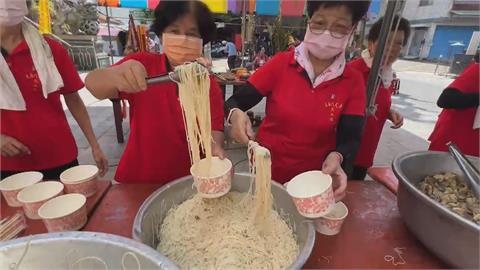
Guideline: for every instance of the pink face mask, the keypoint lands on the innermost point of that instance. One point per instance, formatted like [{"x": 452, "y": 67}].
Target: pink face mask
[
  {"x": 180, "y": 49},
  {"x": 324, "y": 46},
  {"x": 12, "y": 13}
]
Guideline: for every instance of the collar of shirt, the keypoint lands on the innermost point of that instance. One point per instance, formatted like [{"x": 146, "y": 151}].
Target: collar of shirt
[
  {"x": 386, "y": 72},
  {"x": 333, "y": 71}
]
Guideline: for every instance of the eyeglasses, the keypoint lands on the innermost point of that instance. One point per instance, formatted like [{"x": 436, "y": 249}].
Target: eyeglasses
[{"x": 335, "y": 31}]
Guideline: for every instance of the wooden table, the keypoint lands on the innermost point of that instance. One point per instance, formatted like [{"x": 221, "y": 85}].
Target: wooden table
[
  {"x": 37, "y": 226},
  {"x": 372, "y": 232},
  {"x": 385, "y": 176}
]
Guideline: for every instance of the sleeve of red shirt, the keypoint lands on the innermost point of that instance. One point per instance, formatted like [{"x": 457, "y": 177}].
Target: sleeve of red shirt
[
  {"x": 71, "y": 80},
  {"x": 264, "y": 78},
  {"x": 356, "y": 104},
  {"x": 468, "y": 81},
  {"x": 216, "y": 105}
]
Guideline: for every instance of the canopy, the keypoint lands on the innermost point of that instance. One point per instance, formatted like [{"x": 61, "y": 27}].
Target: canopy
[{"x": 261, "y": 7}]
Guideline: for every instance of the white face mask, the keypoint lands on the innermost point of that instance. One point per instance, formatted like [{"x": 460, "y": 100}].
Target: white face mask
[{"x": 12, "y": 12}]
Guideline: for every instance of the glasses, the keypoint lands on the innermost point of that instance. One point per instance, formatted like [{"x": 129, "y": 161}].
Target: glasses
[{"x": 335, "y": 31}]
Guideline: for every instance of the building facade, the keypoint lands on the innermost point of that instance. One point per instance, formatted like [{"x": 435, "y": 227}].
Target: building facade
[{"x": 440, "y": 28}]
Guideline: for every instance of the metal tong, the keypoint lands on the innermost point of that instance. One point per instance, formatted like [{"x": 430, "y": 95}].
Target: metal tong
[
  {"x": 169, "y": 77},
  {"x": 472, "y": 174}
]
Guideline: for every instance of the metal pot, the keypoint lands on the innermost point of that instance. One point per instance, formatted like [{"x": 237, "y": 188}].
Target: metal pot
[
  {"x": 62, "y": 250},
  {"x": 451, "y": 237},
  {"x": 153, "y": 211}
]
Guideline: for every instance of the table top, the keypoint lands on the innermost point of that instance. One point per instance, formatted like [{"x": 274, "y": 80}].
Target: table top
[
  {"x": 385, "y": 176},
  {"x": 373, "y": 235},
  {"x": 236, "y": 82},
  {"x": 37, "y": 226}
]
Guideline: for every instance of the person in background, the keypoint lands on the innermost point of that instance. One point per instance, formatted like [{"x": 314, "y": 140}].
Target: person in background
[
  {"x": 121, "y": 42},
  {"x": 459, "y": 121},
  {"x": 315, "y": 103},
  {"x": 260, "y": 59},
  {"x": 34, "y": 72},
  {"x": 157, "y": 149},
  {"x": 231, "y": 51},
  {"x": 374, "y": 124}
]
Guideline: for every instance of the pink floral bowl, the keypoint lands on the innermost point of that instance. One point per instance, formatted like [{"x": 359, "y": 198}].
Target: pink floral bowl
[
  {"x": 12, "y": 185},
  {"x": 64, "y": 213},
  {"x": 312, "y": 193},
  {"x": 331, "y": 223},
  {"x": 36, "y": 195},
  {"x": 80, "y": 179},
  {"x": 212, "y": 182}
]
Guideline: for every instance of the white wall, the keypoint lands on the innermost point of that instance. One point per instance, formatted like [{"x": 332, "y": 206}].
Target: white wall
[{"x": 438, "y": 9}]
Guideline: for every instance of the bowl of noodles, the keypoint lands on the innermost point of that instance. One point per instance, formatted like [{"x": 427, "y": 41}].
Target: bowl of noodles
[{"x": 196, "y": 232}]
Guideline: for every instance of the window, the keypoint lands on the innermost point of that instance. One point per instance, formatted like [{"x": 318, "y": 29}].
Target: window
[{"x": 425, "y": 3}]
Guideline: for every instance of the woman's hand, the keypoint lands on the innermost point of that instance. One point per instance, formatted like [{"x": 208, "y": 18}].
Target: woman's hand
[
  {"x": 396, "y": 118},
  {"x": 205, "y": 62},
  {"x": 217, "y": 144},
  {"x": 241, "y": 127},
  {"x": 11, "y": 147},
  {"x": 100, "y": 160},
  {"x": 129, "y": 77},
  {"x": 332, "y": 166}
]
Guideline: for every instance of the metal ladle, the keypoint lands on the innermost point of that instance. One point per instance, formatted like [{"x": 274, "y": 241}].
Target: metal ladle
[{"x": 472, "y": 175}]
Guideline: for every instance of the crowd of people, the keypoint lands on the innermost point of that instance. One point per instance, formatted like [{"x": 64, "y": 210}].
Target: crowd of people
[{"x": 315, "y": 101}]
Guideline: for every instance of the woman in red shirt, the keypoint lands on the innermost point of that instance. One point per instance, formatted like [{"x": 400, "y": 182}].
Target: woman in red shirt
[
  {"x": 374, "y": 125},
  {"x": 315, "y": 104},
  {"x": 35, "y": 134},
  {"x": 157, "y": 149},
  {"x": 459, "y": 120}
]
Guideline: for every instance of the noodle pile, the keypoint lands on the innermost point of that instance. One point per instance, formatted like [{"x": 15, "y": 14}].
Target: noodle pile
[
  {"x": 194, "y": 95},
  {"x": 236, "y": 231},
  {"x": 221, "y": 234}
]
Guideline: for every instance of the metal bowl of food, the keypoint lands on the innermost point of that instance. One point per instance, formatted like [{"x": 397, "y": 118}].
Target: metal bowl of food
[
  {"x": 154, "y": 209},
  {"x": 79, "y": 250},
  {"x": 450, "y": 236}
]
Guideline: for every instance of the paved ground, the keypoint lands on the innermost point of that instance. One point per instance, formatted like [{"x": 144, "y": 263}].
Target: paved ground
[{"x": 419, "y": 91}]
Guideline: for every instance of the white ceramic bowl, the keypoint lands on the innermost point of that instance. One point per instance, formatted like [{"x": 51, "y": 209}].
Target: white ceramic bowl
[
  {"x": 34, "y": 196},
  {"x": 13, "y": 184},
  {"x": 331, "y": 223},
  {"x": 312, "y": 193},
  {"x": 80, "y": 179},
  {"x": 215, "y": 182},
  {"x": 64, "y": 213}
]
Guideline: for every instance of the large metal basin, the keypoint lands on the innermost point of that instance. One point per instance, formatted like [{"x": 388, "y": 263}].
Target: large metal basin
[
  {"x": 452, "y": 238},
  {"x": 62, "y": 250},
  {"x": 153, "y": 211}
]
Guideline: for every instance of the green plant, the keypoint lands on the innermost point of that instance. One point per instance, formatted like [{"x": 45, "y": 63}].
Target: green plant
[{"x": 279, "y": 35}]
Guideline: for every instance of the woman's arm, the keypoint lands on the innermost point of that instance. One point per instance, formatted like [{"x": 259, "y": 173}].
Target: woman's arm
[
  {"x": 79, "y": 112},
  {"x": 244, "y": 99},
  {"x": 129, "y": 77},
  {"x": 349, "y": 135},
  {"x": 451, "y": 98}
]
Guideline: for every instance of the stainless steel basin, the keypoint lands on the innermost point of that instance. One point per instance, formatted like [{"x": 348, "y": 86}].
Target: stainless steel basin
[
  {"x": 452, "y": 238},
  {"x": 153, "y": 211},
  {"x": 61, "y": 250}
]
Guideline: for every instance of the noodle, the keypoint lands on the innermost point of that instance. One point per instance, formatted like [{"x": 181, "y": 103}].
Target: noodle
[
  {"x": 236, "y": 231},
  {"x": 194, "y": 95}
]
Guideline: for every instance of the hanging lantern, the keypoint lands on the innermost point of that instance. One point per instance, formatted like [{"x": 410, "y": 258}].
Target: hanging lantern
[{"x": 44, "y": 21}]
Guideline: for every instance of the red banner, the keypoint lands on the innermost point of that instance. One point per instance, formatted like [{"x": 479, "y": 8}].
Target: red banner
[{"x": 292, "y": 7}]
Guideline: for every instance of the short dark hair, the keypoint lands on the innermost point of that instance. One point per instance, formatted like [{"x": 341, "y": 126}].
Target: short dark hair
[
  {"x": 168, "y": 11},
  {"x": 404, "y": 26},
  {"x": 357, "y": 8}
]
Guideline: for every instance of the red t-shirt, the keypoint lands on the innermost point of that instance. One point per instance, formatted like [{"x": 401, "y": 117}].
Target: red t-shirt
[
  {"x": 300, "y": 122},
  {"x": 456, "y": 125},
  {"x": 157, "y": 149},
  {"x": 43, "y": 127},
  {"x": 374, "y": 124}
]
